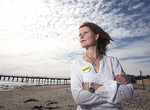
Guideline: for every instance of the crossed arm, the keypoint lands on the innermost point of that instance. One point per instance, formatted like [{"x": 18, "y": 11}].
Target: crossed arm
[
  {"x": 103, "y": 93},
  {"x": 121, "y": 80},
  {"x": 112, "y": 91}
]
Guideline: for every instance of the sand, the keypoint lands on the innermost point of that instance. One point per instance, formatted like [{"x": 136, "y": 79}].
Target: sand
[
  {"x": 58, "y": 97},
  {"x": 38, "y": 98},
  {"x": 141, "y": 98}
]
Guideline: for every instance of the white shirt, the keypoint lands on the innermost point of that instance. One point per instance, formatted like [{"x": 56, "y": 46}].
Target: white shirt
[{"x": 106, "y": 97}]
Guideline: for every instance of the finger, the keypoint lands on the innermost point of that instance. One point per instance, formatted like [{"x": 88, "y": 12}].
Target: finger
[
  {"x": 123, "y": 80},
  {"x": 127, "y": 81},
  {"x": 122, "y": 75},
  {"x": 119, "y": 81},
  {"x": 117, "y": 76}
]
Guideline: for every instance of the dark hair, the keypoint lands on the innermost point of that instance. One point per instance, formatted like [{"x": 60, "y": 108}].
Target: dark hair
[{"x": 104, "y": 38}]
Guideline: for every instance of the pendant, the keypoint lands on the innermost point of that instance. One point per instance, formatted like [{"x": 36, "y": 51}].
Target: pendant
[{"x": 93, "y": 64}]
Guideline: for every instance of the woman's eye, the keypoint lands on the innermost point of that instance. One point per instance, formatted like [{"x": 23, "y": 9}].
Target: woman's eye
[{"x": 82, "y": 34}]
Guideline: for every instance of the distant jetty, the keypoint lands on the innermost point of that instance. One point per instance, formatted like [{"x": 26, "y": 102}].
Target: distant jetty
[{"x": 36, "y": 79}]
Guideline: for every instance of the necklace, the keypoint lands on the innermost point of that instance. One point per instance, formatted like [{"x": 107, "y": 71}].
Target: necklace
[{"x": 92, "y": 60}]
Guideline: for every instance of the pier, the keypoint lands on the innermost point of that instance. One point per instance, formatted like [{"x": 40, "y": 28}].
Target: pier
[{"x": 35, "y": 79}]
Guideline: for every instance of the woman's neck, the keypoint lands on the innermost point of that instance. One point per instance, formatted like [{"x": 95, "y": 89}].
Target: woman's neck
[{"x": 92, "y": 52}]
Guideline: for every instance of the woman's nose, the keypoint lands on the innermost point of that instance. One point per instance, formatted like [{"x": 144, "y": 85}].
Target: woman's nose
[{"x": 81, "y": 36}]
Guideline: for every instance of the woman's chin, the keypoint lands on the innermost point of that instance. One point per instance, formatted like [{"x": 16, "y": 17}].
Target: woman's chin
[{"x": 83, "y": 46}]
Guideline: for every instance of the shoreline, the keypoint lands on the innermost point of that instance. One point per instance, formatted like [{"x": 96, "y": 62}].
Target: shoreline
[{"x": 8, "y": 86}]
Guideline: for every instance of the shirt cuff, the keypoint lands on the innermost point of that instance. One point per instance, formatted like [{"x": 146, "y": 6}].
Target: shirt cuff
[{"x": 108, "y": 90}]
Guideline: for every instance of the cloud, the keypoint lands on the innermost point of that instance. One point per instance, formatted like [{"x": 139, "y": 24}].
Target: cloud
[
  {"x": 133, "y": 54},
  {"x": 131, "y": 47},
  {"x": 42, "y": 36},
  {"x": 134, "y": 7}
]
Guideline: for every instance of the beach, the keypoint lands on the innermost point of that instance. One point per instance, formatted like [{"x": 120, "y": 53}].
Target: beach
[{"x": 58, "y": 97}]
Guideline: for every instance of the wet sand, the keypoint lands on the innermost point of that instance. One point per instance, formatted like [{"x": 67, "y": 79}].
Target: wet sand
[{"x": 58, "y": 97}]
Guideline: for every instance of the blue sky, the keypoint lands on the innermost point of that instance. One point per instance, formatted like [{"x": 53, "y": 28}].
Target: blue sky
[{"x": 40, "y": 37}]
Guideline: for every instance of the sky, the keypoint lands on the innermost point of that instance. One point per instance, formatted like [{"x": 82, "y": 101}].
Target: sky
[{"x": 41, "y": 37}]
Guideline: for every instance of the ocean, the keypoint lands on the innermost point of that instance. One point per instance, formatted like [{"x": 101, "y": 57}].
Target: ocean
[{"x": 7, "y": 85}]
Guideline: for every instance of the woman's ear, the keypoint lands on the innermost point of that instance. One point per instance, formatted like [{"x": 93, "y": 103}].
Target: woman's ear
[{"x": 96, "y": 36}]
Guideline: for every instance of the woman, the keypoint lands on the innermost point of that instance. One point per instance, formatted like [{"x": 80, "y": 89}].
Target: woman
[{"x": 98, "y": 82}]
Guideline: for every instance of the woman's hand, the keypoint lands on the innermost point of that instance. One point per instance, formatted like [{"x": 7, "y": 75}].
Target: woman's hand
[
  {"x": 87, "y": 85},
  {"x": 123, "y": 79}
]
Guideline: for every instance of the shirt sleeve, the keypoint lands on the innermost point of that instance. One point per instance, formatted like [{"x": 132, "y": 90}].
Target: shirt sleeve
[
  {"x": 124, "y": 92},
  {"x": 81, "y": 96},
  {"x": 117, "y": 93}
]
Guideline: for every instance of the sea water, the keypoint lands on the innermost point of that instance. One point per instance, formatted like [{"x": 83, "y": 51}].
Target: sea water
[{"x": 7, "y": 85}]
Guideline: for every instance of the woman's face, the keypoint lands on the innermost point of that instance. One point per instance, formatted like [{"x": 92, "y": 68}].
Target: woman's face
[{"x": 87, "y": 37}]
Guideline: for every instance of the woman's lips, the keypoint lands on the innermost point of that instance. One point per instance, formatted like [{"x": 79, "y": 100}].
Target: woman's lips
[{"x": 82, "y": 40}]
